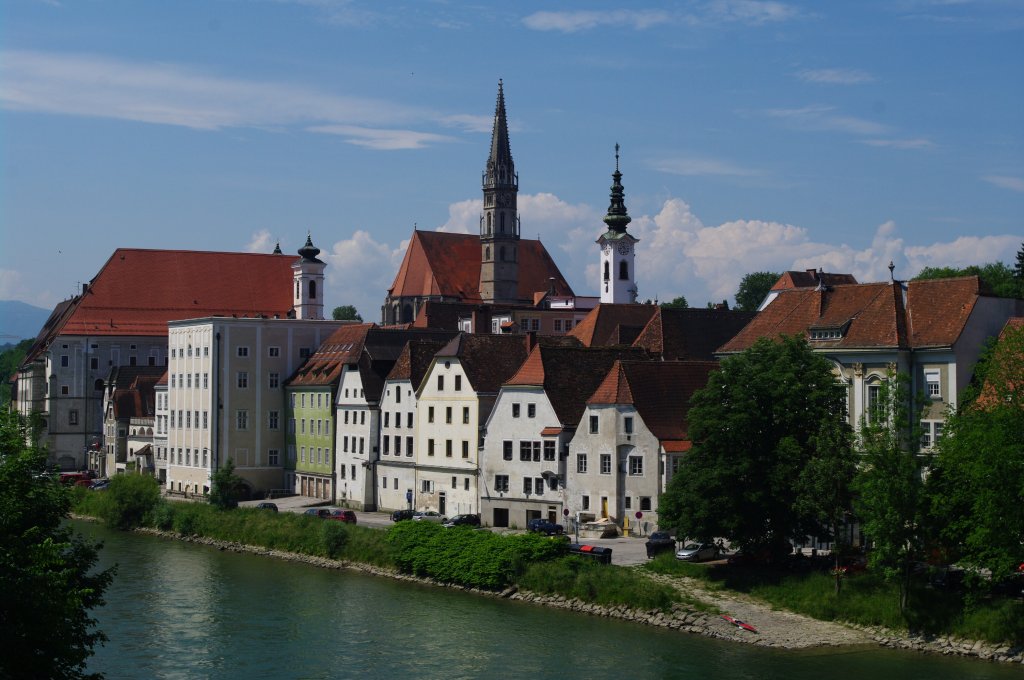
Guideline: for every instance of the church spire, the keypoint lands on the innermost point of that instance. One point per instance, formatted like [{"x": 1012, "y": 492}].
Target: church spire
[
  {"x": 617, "y": 217},
  {"x": 499, "y": 223}
]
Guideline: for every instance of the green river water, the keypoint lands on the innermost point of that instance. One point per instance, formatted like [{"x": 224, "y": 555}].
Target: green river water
[{"x": 177, "y": 610}]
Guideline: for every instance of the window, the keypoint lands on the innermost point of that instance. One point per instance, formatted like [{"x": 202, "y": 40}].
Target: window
[
  {"x": 386, "y": 419},
  {"x": 629, "y": 503},
  {"x": 73, "y": 417},
  {"x": 549, "y": 450},
  {"x": 305, "y": 352},
  {"x": 645, "y": 503},
  {"x": 585, "y": 502},
  {"x": 387, "y": 445},
  {"x": 398, "y": 445},
  {"x": 458, "y": 383},
  {"x": 448, "y": 415},
  {"x": 455, "y": 482},
  {"x": 362, "y": 417},
  {"x": 558, "y": 325},
  {"x": 272, "y": 420},
  {"x": 272, "y": 457},
  {"x": 302, "y": 426},
  {"x": 515, "y": 410},
  {"x": 874, "y": 402},
  {"x": 65, "y": 360},
  {"x": 94, "y": 363},
  {"x": 636, "y": 465},
  {"x": 448, "y": 448},
  {"x": 465, "y": 449},
  {"x": 242, "y": 420},
  {"x": 430, "y": 447},
  {"x": 427, "y": 486},
  {"x": 538, "y": 485},
  {"x": 531, "y": 410},
  {"x": 206, "y": 380},
  {"x": 327, "y": 428},
  {"x": 408, "y": 420},
  {"x": 430, "y": 414},
  {"x": 627, "y": 424},
  {"x": 465, "y": 484},
  {"x": 931, "y": 433},
  {"x": 931, "y": 382},
  {"x": 243, "y": 379},
  {"x": 188, "y": 419},
  {"x": 525, "y": 451},
  {"x": 606, "y": 463},
  {"x": 408, "y": 448},
  {"x": 291, "y": 426},
  {"x": 398, "y": 398},
  {"x": 274, "y": 380},
  {"x": 581, "y": 463},
  {"x": 243, "y": 351},
  {"x": 440, "y": 383},
  {"x": 593, "y": 424},
  {"x": 65, "y": 390},
  {"x": 273, "y": 351},
  {"x": 527, "y": 485},
  {"x": 465, "y": 415},
  {"x": 188, "y": 376},
  {"x": 506, "y": 450},
  {"x": 623, "y": 270}
]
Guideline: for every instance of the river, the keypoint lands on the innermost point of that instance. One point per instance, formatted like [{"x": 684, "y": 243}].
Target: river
[{"x": 179, "y": 610}]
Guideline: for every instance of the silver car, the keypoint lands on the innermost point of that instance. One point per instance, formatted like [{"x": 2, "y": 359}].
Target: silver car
[
  {"x": 428, "y": 516},
  {"x": 697, "y": 552}
]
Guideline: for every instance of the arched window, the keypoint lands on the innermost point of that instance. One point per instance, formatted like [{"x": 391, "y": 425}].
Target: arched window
[
  {"x": 606, "y": 274},
  {"x": 487, "y": 253},
  {"x": 488, "y": 223},
  {"x": 624, "y": 270},
  {"x": 298, "y": 291},
  {"x": 312, "y": 290}
]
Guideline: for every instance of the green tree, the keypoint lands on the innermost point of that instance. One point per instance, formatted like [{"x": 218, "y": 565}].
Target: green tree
[
  {"x": 346, "y": 313},
  {"x": 48, "y": 581},
  {"x": 890, "y": 499},
  {"x": 753, "y": 289},
  {"x": 10, "y": 360},
  {"x": 996, "y": 277},
  {"x": 678, "y": 303},
  {"x": 1018, "y": 270},
  {"x": 128, "y": 499},
  {"x": 226, "y": 487},
  {"x": 755, "y": 426},
  {"x": 977, "y": 482}
]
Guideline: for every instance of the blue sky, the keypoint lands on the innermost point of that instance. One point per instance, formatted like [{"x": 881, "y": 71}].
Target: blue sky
[{"x": 755, "y": 135}]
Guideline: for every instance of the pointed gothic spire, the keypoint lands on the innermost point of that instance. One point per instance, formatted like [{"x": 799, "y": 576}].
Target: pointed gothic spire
[
  {"x": 617, "y": 217},
  {"x": 500, "y": 168}
]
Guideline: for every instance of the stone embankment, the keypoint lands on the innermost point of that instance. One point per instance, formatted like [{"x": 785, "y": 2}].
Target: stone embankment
[{"x": 776, "y": 628}]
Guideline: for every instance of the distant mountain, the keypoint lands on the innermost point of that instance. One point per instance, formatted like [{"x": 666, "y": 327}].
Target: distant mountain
[{"x": 19, "y": 321}]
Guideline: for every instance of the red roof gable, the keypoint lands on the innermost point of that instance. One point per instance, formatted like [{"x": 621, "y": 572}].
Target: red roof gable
[
  {"x": 691, "y": 334},
  {"x": 343, "y": 346},
  {"x": 437, "y": 264},
  {"x": 609, "y": 324},
  {"x": 811, "y": 278},
  {"x": 137, "y": 291}
]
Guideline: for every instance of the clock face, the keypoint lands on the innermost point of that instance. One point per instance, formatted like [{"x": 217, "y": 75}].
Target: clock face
[{"x": 623, "y": 248}]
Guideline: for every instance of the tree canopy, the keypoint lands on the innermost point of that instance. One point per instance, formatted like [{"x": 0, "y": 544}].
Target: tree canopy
[
  {"x": 226, "y": 488},
  {"x": 995, "y": 277},
  {"x": 346, "y": 313},
  {"x": 47, "y": 578},
  {"x": 10, "y": 360},
  {"x": 978, "y": 477},
  {"x": 767, "y": 414},
  {"x": 678, "y": 303},
  {"x": 753, "y": 289}
]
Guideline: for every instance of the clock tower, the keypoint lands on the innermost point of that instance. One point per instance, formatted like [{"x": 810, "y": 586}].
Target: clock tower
[
  {"x": 618, "y": 278},
  {"x": 499, "y": 223}
]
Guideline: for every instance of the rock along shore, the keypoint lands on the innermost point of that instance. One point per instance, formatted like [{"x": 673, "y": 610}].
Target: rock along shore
[{"x": 776, "y": 628}]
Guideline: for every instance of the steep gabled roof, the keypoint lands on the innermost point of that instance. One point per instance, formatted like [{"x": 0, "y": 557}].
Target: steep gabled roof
[
  {"x": 132, "y": 390},
  {"x": 569, "y": 375},
  {"x": 610, "y": 324},
  {"x": 414, "y": 361},
  {"x": 811, "y": 278},
  {"x": 440, "y": 264},
  {"x": 343, "y": 346},
  {"x": 659, "y": 390},
  {"x": 691, "y": 334},
  {"x": 938, "y": 309},
  {"x": 488, "y": 360}
]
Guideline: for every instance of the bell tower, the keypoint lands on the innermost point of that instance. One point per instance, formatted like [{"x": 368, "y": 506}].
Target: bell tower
[
  {"x": 618, "y": 277},
  {"x": 499, "y": 223},
  {"x": 308, "y": 282}
]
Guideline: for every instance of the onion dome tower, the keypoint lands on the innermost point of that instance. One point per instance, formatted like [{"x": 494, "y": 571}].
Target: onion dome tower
[
  {"x": 618, "y": 277},
  {"x": 308, "y": 279}
]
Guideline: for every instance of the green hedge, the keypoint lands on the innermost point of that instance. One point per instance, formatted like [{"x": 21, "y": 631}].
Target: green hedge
[{"x": 585, "y": 579}]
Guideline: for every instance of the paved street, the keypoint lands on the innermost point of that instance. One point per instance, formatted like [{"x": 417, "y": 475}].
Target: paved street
[{"x": 625, "y": 551}]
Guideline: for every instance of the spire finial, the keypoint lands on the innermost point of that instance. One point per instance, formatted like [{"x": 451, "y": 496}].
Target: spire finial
[
  {"x": 617, "y": 217},
  {"x": 892, "y": 268},
  {"x": 616, "y": 156}
]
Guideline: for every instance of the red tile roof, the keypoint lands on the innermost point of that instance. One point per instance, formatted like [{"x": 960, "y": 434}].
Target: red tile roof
[
  {"x": 569, "y": 375},
  {"x": 691, "y": 334},
  {"x": 488, "y": 360},
  {"x": 441, "y": 264},
  {"x": 609, "y": 324},
  {"x": 414, "y": 361},
  {"x": 344, "y": 346},
  {"x": 137, "y": 291},
  {"x": 659, "y": 390},
  {"x": 868, "y": 315},
  {"x": 811, "y": 278}
]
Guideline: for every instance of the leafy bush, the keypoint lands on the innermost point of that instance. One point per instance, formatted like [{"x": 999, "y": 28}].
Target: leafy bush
[
  {"x": 161, "y": 516},
  {"x": 128, "y": 499},
  {"x": 584, "y": 579},
  {"x": 333, "y": 536}
]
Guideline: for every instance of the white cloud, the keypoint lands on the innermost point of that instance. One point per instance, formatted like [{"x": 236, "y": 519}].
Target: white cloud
[
  {"x": 359, "y": 272},
  {"x": 835, "y": 76},
  {"x": 819, "y": 117},
  {"x": 260, "y": 242},
  {"x": 963, "y": 252},
  {"x": 919, "y": 143},
  {"x": 693, "y": 166},
  {"x": 1006, "y": 182},
  {"x": 387, "y": 140},
  {"x": 464, "y": 217},
  {"x": 167, "y": 94},
  {"x": 582, "y": 20},
  {"x": 751, "y": 11}
]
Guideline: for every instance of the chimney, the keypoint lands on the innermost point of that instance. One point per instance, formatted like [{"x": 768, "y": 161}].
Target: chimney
[{"x": 531, "y": 341}]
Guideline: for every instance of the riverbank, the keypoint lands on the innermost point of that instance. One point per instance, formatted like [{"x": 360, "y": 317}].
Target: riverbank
[{"x": 776, "y": 628}]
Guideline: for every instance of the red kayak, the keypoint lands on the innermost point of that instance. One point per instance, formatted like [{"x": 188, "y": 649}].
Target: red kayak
[{"x": 739, "y": 624}]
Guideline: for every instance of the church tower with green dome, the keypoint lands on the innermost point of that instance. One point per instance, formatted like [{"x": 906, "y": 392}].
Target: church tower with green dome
[{"x": 618, "y": 276}]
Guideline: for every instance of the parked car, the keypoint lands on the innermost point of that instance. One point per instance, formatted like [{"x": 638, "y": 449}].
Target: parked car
[
  {"x": 542, "y": 526},
  {"x": 267, "y": 506},
  {"x": 463, "y": 520},
  {"x": 99, "y": 484},
  {"x": 697, "y": 552},
  {"x": 342, "y": 515},
  {"x": 659, "y": 542},
  {"x": 401, "y": 515},
  {"x": 428, "y": 516},
  {"x": 322, "y": 513}
]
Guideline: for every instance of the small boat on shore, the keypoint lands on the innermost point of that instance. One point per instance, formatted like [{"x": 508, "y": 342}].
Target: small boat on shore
[{"x": 739, "y": 624}]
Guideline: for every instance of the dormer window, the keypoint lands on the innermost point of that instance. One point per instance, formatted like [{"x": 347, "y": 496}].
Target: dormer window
[{"x": 827, "y": 333}]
